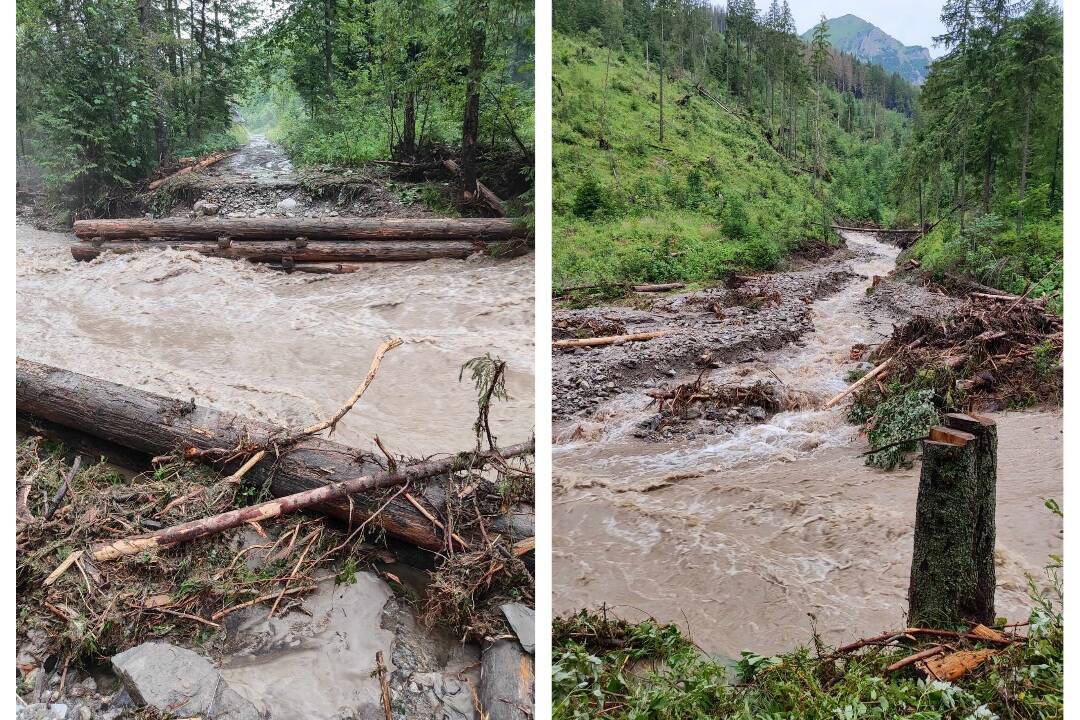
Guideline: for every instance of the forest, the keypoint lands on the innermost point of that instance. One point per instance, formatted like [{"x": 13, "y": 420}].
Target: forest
[
  {"x": 112, "y": 92},
  {"x": 752, "y": 141}
]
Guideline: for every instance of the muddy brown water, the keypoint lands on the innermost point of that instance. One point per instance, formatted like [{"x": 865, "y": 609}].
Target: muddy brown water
[
  {"x": 287, "y": 348},
  {"x": 738, "y": 537}
]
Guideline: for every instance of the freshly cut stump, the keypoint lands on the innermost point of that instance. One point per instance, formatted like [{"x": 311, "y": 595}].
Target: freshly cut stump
[{"x": 944, "y": 589}]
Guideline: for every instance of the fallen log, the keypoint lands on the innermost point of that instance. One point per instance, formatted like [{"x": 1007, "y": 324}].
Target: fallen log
[
  {"x": 327, "y": 228},
  {"x": 289, "y": 253},
  {"x": 608, "y": 340},
  {"x": 202, "y": 164},
  {"x": 341, "y": 490},
  {"x": 154, "y": 425},
  {"x": 662, "y": 287},
  {"x": 490, "y": 198}
]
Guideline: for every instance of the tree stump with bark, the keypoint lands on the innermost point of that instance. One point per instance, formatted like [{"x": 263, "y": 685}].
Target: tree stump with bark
[{"x": 954, "y": 537}]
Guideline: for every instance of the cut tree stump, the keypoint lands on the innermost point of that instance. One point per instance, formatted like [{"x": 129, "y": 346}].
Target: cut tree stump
[
  {"x": 328, "y": 228},
  {"x": 286, "y": 252},
  {"x": 153, "y": 425},
  {"x": 985, "y": 431},
  {"x": 947, "y": 561}
]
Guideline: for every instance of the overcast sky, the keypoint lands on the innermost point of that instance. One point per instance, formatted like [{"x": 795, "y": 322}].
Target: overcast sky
[{"x": 912, "y": 22}]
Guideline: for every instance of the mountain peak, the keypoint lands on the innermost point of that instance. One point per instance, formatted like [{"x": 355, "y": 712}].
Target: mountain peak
[{"x": 866, "y": 41}]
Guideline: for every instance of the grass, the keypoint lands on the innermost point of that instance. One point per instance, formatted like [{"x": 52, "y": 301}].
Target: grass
[
  {"x": 606, "y": 668},
  {"x": 712, "y": 199},
  {"x": 989, "y": 251}
]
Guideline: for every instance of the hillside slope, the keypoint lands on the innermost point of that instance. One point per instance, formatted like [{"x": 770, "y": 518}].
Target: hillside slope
[
  {"x": 866, "y": 41},
  {"x": 714, "y": 198}
]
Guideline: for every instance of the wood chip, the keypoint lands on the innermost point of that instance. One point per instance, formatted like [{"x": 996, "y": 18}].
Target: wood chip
[{"x": 955, "y": 665}]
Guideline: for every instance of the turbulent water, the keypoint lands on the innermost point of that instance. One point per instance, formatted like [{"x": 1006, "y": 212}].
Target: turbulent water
[
  {"x": 739, "y": 536},
  {"x": 287, "y": 348}
]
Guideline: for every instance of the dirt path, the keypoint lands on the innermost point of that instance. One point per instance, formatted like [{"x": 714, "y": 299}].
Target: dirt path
[{"x": 743, "y": 522}]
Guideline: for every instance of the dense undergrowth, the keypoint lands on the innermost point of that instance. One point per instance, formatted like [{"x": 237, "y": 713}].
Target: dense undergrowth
[
  {"x": 606, "y": 668},
  {"x": 714, "y": 198}
]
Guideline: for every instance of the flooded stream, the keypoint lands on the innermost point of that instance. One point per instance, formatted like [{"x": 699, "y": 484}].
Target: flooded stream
[
  {"x": 287, "y": 348},
  {"x": 739, "y": 535}
]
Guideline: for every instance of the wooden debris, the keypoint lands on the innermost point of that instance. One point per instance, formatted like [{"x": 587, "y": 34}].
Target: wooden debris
[
  {"x": 489, "y": 197},
  {"x": 325, "y": 228},
  {"x": 858, "y": 384},
  {"x": 384, "y": 685},
  {"x": 663, "y": 287},
  {"x": 200, "y": 165},
  {"x": 609, "y": 340},
  {"x": 955, "y": 665}
]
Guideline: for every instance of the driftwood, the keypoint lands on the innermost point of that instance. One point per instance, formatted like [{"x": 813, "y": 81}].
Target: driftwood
[
  {"x": 609, "y": 340},
  {"x": 658, "y": 288},
  {"x": 858, "y": 384},
  {"x": 202, "y": 164},
  {"x": 205, "y": 527},
  {"x": 289, "y": 255},
  {"x": 329, "y": 228},
  {"x": 490, "y": 198},
  {"x": 154, "y": 425}
]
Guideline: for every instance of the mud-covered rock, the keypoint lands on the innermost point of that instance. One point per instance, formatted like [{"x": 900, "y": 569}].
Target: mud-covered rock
[
  {"x": 522, "y": 621},
  {"x": 178, "y": 681}
]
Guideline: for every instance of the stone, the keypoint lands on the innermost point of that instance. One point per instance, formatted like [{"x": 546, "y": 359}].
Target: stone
[
  {"x": 453, "y": 696},
  {"x": 522, "y": 619},
  {"x": 287, "y": 204},
  {"x": 42, "y": 711},
  {"x": 180, "y": 682},
  {"x": 202, "y": 207},
  {"x": 756, "y": 413}
]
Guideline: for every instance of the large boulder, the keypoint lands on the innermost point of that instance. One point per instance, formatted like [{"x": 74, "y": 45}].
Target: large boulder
[{"x": 180, "y": 682}]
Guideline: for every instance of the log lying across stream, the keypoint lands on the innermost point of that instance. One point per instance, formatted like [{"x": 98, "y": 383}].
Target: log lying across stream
[
  {"x": 153, "y": 425},
  {"x": 329, "y": 228},
  {"x": 316, "y": 252}
]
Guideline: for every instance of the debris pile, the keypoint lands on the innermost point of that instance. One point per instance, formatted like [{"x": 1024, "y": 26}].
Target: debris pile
[
  {"x": 572, "y": 328},
  {"x": 992, "y": 352}
]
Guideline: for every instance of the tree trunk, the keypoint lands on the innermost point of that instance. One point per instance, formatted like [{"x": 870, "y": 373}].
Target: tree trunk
[
  {"x": 314, "y": 228},
  {"x": 945, "y": 569},
  {"x": 289, "y": 253},
  {"x": 984, "y": 429},
  {"x": 154, "y": 425},
  {"x": 988, "y": 178},
  {"x": 408, "y": 131},
  {"x": 470, "y": 126},
  {"x": 1024, "y": 166},
  {"x": 328, "y": 46},
  {"x": 662, "y": 70}
]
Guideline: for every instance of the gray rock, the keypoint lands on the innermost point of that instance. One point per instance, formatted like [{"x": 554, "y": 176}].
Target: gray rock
[
  {"x": 180, "y": 682},
  {"x": 287, "y": 204},
  {"x": 42, "y": 711},
  {"x": 454, "y": 698},
  {"x": 202, "y": 207},
  {"x": 756, "y": 413},
  {"x": 522, "y": 619}
]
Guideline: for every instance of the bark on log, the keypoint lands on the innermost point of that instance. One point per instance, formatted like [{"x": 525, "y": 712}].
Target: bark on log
[
  {"x": 608, "y": 339},
  {"x": 205, "y": 163},
  {"x": 490, "y": 198},
  {"x": 506, "y": 682},
  {"x": 985, "y": 431},
  {"x": 944, "y": 578},
  {"x": 318, "y": 252},
  {"x": 338, "y": 228},
  {"x": 153, "y": 425}
]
